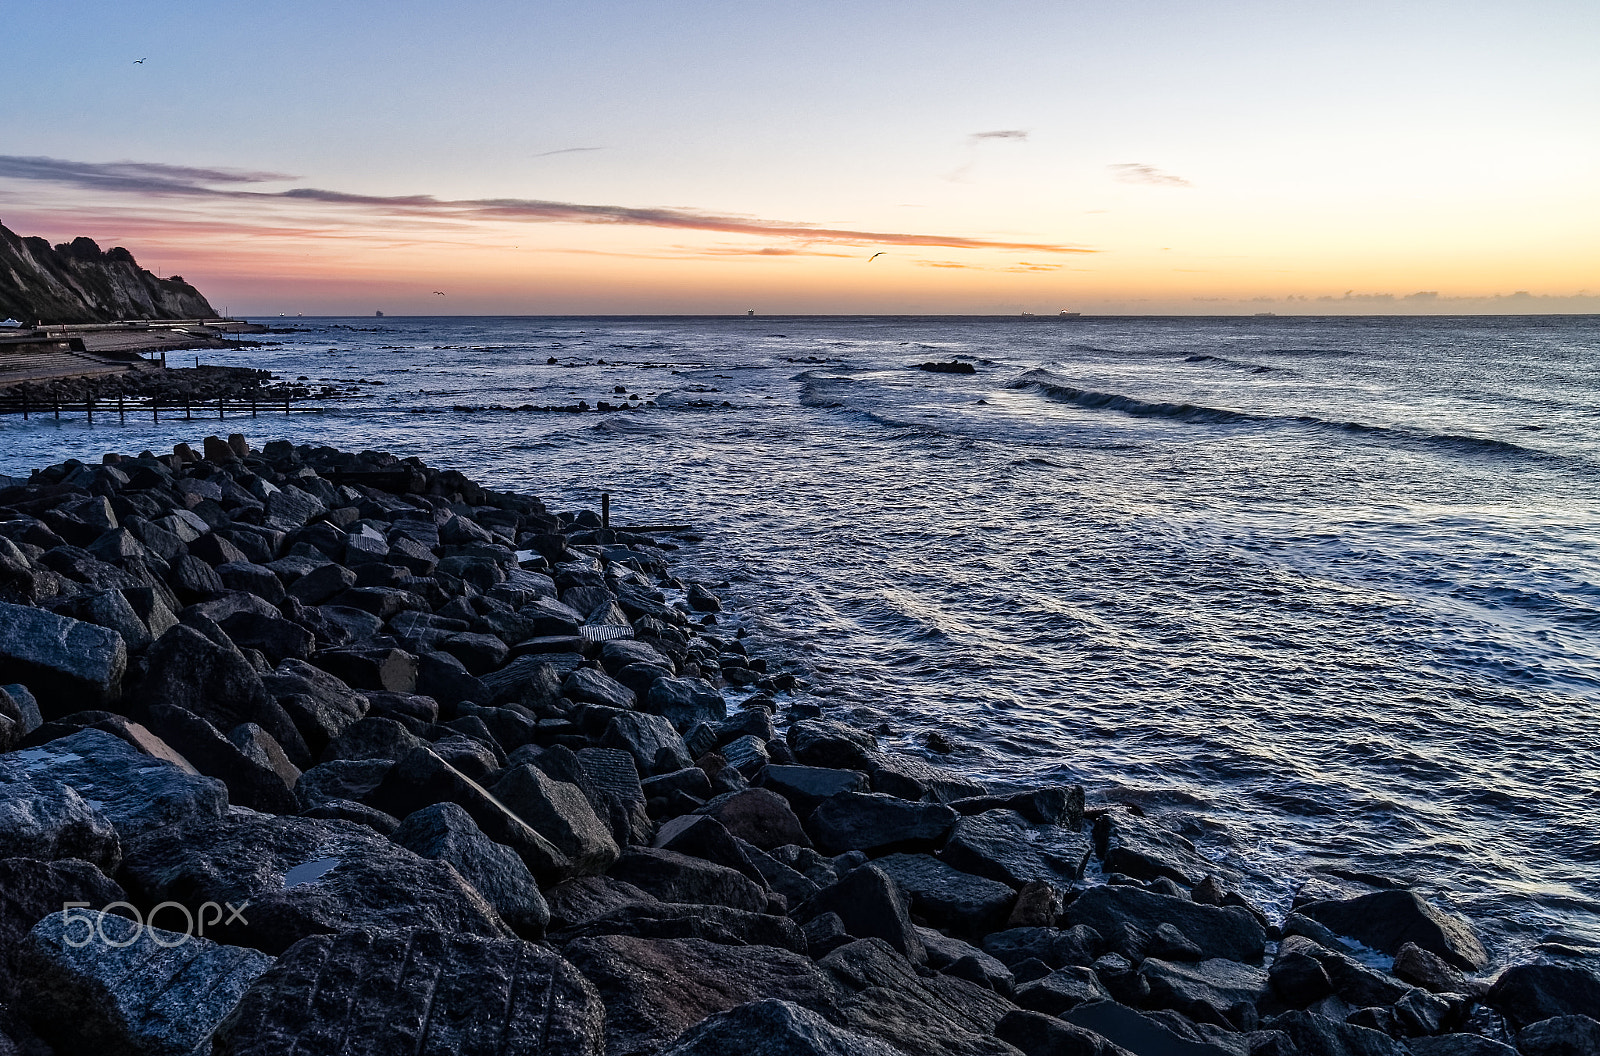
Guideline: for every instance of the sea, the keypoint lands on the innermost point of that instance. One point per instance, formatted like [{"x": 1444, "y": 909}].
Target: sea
[{"x": 1323, "y": 594}]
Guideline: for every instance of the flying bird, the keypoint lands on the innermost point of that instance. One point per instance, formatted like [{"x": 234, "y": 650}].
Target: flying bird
[
  {"x": 876, "y": 255},
  {"x": 439, "y": 293},
  {"x": 140, "y": 62}
]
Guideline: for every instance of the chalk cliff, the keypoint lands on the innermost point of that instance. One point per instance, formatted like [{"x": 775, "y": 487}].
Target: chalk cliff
[{"x": 78, "y": 283}]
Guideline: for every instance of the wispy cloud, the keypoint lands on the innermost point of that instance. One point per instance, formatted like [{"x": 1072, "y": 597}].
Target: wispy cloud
[
  {"x": 566, "y": 150},
  {"x": 1004, "y": 133},
  {"x": 1138, "y": 172},
  {"x": 151, "y": 181}
]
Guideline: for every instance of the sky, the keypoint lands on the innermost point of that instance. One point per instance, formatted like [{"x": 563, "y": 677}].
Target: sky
[{"x": 698, "y": 157}]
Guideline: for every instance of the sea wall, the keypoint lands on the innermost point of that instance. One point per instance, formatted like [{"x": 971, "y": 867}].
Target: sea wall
[
  {"x": 77, "y": 282},
  {"x": 359, "y": 748}
]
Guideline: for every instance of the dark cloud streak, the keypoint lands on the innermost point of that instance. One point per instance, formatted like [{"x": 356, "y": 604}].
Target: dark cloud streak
[{"x": 167, "y": 181}]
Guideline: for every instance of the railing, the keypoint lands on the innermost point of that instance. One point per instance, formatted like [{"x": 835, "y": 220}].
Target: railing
[{"x": 120, "y": 407}]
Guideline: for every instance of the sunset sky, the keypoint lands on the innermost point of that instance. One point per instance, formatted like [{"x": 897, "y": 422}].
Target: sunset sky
[{"x": 707, "y": 157}]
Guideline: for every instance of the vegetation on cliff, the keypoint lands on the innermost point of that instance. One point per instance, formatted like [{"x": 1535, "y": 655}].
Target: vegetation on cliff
[{"x": 77, "y": 282}]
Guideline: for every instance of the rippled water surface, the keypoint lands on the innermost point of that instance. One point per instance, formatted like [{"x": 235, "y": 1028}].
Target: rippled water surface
[{"x": 1329, "y": 587}]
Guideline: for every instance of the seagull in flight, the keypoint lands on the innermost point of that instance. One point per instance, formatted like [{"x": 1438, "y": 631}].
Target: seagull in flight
[
  {"x": 140, "y": 62},
  {"x": 439, "y": 293},
  {"x": 876, "y": 255}
]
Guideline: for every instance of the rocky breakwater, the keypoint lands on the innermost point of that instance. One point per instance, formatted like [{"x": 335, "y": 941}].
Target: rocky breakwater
[{"x": 325, "y": 752}]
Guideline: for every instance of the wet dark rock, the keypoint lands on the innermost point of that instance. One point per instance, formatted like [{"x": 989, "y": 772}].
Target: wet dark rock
[
  {"x": 704, "y": 837},
  {"x": 66, "y": 663},
  {"x": 422, "y": 779},
  {"x": 371, "y": 668},
  {"x": 1319, "y": 1036},
  {"x": 446, "y": 832},
  {"x": 654, "y": 989},
  {"x": 589, "y": 686},
  {"x": 277, "y": 638},
  {"x": 373, "y": 737},
  {"x": 478, "y": 653},
  {"x": 617, "y": 654},
  {"x": 132, "y": 790},
  {"x": 322, "y": 584},
  {"x": 685, "y": 702},
  {"x": 1298, "y": 977},
  {"x": 1418, "y": 967},
  {"x": 996, "y": 845},
  {"x": 672, "y": 877},
  {"x": 242, "y": 575},
  {"x": 1215, "y": 991},
  {"x": 43, "y": 818},
  {"x": 824, "y": 743},
  {"x": 109, "y": 609},
  {"x": 446, "y": 679},
  {"x": 910, "y": 778},
  {"x": 946, "y": 897},
  {"x": 610, "y": 779},
  {"x": 871, "y": 905},
  {"x": 1060, "y": 990},
  {"x": 1575, "y": 1035},
  {"x": 691, "y": 780},
  {"x": 419, "y": 991},
  {"x": 651, "y": 740},
  {"x": 1228, "y": 931},
  {"x": 353, "y": 779},
  {"x": 301, "y": 877},
  {"x": 191, "y": 579},
  {"x": 1037, "y": 1034},
  {"x": 1056, "y": 948},
  {"x": 1387, "y": 920},
  {"x": 473, "y": 752},
  {"x": 192, "y": 670},
  {"x": 251, "y": 782},
  {"x": 141, "y": 990},
  {"x": 1053, "y": 805},
  {"x": 356, "y": 813},
  {"x": 18, "y": 702},
  {"x": 1138, "y": 847},
  {"x": 877, "y": 823},
  {"x": 758, "y": 816},
  {"x": 1038, "y": 905},
  {"x": 1528, "y": 993},
  {"x": 773, "y": 1028},
  {"x": 1141, "y": 1033},
  {"x": 1458, "y": 1045},
  {"x": 807, "y": 786},
  {"x": 31, "y": 890},
  {"x": 652, "y": 919},
  {"x": 559, "y": 812},
  {"x": 938, "y": 1014},
  {"x": 584, "y": 898}
]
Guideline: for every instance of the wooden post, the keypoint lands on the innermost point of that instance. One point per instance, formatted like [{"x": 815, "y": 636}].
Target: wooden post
[
  {"x": 24, "y": 404},
  {"x": 220, "y": 401},
  {"x": 155, "y": 408},
  {"x": 188, "y": 412},
  {"x": 605, "y": 509},
  {"x": 88, "y": 409},
  {"x": 58, "y": 408},
  {"x": 122, "y": 411},
  {"x": 252, "y": 406}
]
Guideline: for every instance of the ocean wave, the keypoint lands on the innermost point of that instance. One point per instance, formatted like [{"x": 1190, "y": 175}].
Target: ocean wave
[
  {"x": 1238, "y": 364},
  {"x": 1054, "y": 388}
]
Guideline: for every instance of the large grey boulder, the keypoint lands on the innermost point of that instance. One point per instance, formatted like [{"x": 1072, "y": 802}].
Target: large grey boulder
[
  {"x": 654, "y": 744},
  {"x": 685, "y": 702},
  {"x": 1219, "y": 931},
  {"x": 321, "y": 705},
  {"x": 32, "y": 890},
  {"x": 1528, "y": 993},
  {"x": 875, "y": 823},
  {"x": 129, "y": 989},
  {"x": 773, "y": 1028},
  {"x": 651, "y": 919},
  {"x": 870, "y": 905},
  {"x": 419, "y": 990},
  {"x": 998, "y": 845},
  {"x": 1138, "y": 847},
  {"x": 45, "y": 819},
  {"x": 253, "y": 781},
  {"x": 1220, "y": 992},
  {"x": 302, "y": 877},
  {"x": 1311, "y": 1033},
  {"x": 66, "y": 663},
  {"x": 654, "y": 989},
  {"x": 559, "y": 811},
  {"x": 1387, "y": 920},
  {"x": 946, "y": 897},
  {"x": 672, "y": 877},
  {"x": 446, "y": 832},
  {"x": 135, "y": 792}
]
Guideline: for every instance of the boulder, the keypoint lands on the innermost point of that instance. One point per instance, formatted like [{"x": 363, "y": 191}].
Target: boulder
[
  {"x": 1128, "y": 1030},
  {"x": 1561, "y": 1036},
  {"x": 685, "y": 702},
  {"x": 1214, "y": 991},
  {"x": 1138, "y": 847},
  {"x": 1528, "y": 993},
  {"x": 701, "y": 837},
  {"x": 911, "y": 778},
  {"x": 1387, "y": 920},
  {"x": 373, "y": 737},
  {"x": 446, "y": 832},
  {"x": 773, "y": 1028},
  {"x": 1320, "y": 1036},
  {"x": 253, "y": 782},
  {"x": 423, "y": 991},
  {"x": 997, "y": 845},
  {"x": 824, "y": 743},
  {"x": 651, "y": 740},
  {"x": 194, "y": 671},
  {"x": 341, "y": 779},
  {"x": 478, "y": 653},
  {"x": 66, "y": 663},
  {"x": 946, "y": 897},
  {"x": 1037, "y": 1034},
  {"x": 584, "y": 898},
  {"x": 651, "y": 919},
  {"x": 129, "y": 989},
  {"x": 609, "y": 778},
  {"x": 277, "y": 638},
  {"x": 422, "y": 779},
  {"x": 32, "y": 890},
  {"x": 1362, "y": 986},
  {"x": 1428, "y": 970},
  {"x": 758, "y": 816},
  {"x": 871, "y": 905},
  {"x": 45, "y": 819},
  {"x": 807, "y": 786},
  {"x": 1052, "y": 805},
  {"x": 301, "y": 877},
  {"x": 1458, "y": 1045},
  {"x": 559, "y": 812},
  {"x": 587, "y": 685},
  {"x": 672, "y": 877},
  {"x": 876, "y": 824},
  {"x": 1053, "y": 947},
  {"x": 1060, "y": 990},
  {"x": 128, "y": 788},
  {"x": 1220, "y": 931},
  {"x": 654, "y": 989}
]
